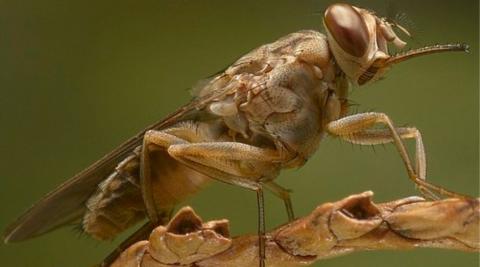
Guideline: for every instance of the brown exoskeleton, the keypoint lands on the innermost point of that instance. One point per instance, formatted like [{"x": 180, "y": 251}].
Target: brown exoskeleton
[{"x": 266, "y": 112}]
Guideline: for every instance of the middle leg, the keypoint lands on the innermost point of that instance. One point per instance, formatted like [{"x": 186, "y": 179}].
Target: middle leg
[
  {"x": 230, "y": 162},
  {"x": 283, "y": 194},
  {"x": 234, "y": 163}
]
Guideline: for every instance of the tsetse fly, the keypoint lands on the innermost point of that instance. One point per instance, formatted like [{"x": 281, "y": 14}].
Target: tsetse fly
[{"x": 266, "y": 112}]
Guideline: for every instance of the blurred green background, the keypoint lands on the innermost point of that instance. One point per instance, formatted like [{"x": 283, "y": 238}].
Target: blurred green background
[{"x": 79, "y": 77}]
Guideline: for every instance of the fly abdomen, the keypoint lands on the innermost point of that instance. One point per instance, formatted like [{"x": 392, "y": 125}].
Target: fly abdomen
[{"x": 117, "y": 204}]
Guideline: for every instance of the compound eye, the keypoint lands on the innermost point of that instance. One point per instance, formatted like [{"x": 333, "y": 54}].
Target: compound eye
[{"x": 348, "y": 28}]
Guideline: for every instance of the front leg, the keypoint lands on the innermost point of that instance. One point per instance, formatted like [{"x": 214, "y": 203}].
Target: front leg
[
  {"x": 355, "y": 129},
  {"x": 384, "y": 136}
]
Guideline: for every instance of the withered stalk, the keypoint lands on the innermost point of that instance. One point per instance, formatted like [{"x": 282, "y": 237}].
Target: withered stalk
[{"x": 333, "y": 229}]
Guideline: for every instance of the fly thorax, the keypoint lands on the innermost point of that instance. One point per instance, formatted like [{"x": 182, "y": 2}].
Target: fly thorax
[{"x": 228, "y": 110}]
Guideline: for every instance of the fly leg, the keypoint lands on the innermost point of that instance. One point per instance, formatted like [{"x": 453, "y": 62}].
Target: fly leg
[
  {"x": 241, "y": 182},
  {"x": 283, "y": 194},
  {"x": 355, "y": 130},
  {"x": 228, "y": 162},
  {"x": 153, "y": 140},
  {"x": 383, "y": 136},
  {"x": 150, "y": 142},
  {"x": 261, "y": 227}
]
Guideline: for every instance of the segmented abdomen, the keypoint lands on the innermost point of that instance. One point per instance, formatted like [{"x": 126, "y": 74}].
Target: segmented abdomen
[{"x": 118, "y": 202}]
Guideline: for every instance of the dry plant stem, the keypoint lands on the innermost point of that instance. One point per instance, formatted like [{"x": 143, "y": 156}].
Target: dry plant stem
[{"x": 332, "y": 229}]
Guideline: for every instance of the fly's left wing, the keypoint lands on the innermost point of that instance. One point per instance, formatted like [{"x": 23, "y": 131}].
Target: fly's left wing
[{"x": 66, "y": 204}]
